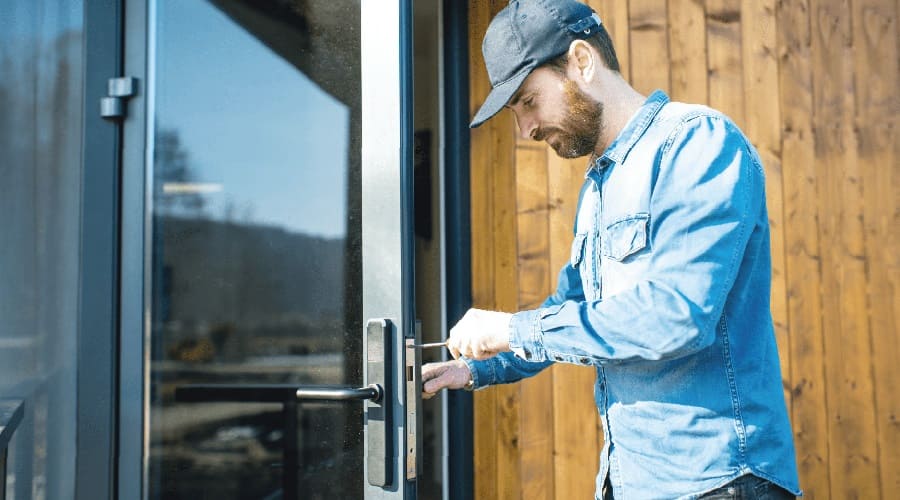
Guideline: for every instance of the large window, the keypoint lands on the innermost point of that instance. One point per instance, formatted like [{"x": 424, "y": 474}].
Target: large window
[{"x": 41, "y": 74}]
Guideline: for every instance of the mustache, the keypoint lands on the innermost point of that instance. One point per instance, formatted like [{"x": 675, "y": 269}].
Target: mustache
[{"x": 540, "y": 134}]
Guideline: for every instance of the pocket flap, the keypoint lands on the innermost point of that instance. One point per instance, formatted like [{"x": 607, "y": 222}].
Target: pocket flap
[
  {"x": 577, "y": 249},
  {"x": 625, "y": 236}
]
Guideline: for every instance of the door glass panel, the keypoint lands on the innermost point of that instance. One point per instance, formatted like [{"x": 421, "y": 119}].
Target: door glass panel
[{"x": 255, "y": 248}]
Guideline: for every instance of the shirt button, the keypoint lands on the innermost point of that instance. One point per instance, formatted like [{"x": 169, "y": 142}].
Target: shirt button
[{"x": 584, "y": 361}]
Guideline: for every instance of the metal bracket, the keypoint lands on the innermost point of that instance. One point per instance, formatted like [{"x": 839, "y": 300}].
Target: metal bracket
[{"x": 118, "y": 90}]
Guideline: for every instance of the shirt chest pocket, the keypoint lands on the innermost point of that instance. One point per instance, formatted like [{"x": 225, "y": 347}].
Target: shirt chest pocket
[{"x": 625, "y": 237}]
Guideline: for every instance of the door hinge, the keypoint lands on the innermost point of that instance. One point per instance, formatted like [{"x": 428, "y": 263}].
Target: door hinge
[{"x": 112, "y": 107}]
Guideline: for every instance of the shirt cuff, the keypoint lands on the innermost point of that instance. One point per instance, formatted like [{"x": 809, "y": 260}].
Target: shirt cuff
[
  {"x": 525, "y": 336},
  {"x": 482, "y": 372}
]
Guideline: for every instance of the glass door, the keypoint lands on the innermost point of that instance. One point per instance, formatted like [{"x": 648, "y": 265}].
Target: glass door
[{"x": 266, "y": 253}]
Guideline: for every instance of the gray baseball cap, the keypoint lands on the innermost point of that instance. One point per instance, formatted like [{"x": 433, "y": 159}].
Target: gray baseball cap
[{"x": 524, "y": 35}]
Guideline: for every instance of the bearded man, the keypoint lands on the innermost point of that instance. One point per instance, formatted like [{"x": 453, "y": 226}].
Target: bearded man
[{"x": 667, "y": 290}]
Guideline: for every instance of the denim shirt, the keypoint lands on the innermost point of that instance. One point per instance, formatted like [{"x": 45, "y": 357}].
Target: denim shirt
[{"x": 667, "y": 295}]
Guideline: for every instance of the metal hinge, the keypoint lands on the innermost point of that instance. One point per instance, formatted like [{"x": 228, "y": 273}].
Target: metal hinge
[{"x": 112, "y": 107}]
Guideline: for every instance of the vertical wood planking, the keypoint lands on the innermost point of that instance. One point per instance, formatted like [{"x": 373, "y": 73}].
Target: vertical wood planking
[
  {"x": 509, "y": 477},
  {"x": 822, "y": 115},
  {"x": 801, "y": 179},
  {"x": 509, "y": 397},
  {"x": 577, "y": 437},
  {"x": 687, "y": 50},
  {"x": 481, "y": 182},
  {"x": 533, "y": 224},
  {"x": 724, "y": 59},
  {"x": 534, "y": 285},
  {"x": 763, "y": 126},
  {"x": 876, "y": 73},
  {"x": 853, "y": 454},
  {"x": 649, "y": 39},
  {"x": 614, "y": 15}
]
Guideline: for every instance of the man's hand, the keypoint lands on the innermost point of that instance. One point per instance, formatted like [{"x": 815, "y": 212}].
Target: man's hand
[
  {"x": 480, "y": 334},
  {"x": 453, "y": 374}
]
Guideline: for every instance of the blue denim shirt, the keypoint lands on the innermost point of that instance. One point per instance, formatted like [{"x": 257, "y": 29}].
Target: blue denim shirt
[{"x": 667, "y": 296}]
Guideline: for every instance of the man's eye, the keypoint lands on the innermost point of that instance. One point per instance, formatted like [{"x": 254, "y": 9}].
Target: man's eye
[{"x": 528, "y": 101}]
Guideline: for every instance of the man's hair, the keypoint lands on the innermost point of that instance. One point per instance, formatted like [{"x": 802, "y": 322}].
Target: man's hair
[{"x": 599, "y": 41}]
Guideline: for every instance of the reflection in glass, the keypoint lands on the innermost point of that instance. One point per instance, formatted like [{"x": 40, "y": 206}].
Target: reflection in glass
[
  {"x": 41, "y": 124},
  {"x": 255, "y": 245}
]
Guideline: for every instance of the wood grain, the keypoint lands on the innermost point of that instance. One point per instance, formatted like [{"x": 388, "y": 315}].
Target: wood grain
[
  {"x": 848, "y": 358},
  {"x": 648, "y": 40},
  {"x": 876, "y": 82},
  {"x": 813, "y": 83},
  {"x": 803, "y": 259}
]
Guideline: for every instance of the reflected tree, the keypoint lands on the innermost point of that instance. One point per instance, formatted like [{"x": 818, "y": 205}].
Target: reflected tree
[{"x": 172, "y": 174}]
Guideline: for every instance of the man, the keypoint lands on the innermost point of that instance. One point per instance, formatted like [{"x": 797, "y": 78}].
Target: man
[{"x": 667, "y": 290}]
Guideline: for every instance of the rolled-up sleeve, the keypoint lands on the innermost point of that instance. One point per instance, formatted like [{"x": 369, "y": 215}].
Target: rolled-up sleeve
[{"x": 706, "y": 201}]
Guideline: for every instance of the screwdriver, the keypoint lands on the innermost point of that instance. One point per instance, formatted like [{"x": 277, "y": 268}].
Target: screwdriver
[{"x": 425, "y": 346}]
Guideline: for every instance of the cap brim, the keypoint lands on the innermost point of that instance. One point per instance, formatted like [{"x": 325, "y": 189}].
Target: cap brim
[{"x": 499, "y": 96}]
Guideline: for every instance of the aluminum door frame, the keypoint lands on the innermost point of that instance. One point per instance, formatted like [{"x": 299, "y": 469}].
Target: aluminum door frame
[{"x": 387, "y": 224}]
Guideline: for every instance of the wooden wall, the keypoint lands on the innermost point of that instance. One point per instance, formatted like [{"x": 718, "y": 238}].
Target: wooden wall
[{"x": 814, "y": 84}]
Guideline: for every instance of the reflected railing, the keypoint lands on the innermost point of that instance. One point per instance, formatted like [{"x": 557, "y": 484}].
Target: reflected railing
[
  {"x": 11, "y": 413},
  {"x": 289, "y": 396}
]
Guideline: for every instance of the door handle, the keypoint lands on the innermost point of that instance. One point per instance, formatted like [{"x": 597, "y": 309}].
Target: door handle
[
  {"x": 274, "y": 393},
  {"x": 373, "y": 392},
  {"x": 377, "y": 395}
]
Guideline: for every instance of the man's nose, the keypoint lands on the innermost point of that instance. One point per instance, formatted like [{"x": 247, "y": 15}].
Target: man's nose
[{"x": 526, "y": 127}]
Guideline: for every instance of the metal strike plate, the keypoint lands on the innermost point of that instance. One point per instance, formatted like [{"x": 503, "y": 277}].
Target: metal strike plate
[
  {"x": 379, "y": 458},
  {"x": 413, "y": 378}
]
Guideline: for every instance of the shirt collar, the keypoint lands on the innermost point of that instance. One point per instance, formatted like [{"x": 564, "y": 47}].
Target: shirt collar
[{"x": 637, "y": 125}]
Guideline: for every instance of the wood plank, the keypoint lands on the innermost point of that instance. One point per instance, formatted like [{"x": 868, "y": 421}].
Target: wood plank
[
  {"x": 481, "y": 205},
  {"x": 848, "y": 358},
  {"x": 649, "y": 40},
  {"x": 724, "y": 58},
  {"x": 801, "y": 179},
  {"x": 614, "y": 16},
  {"x": 763, "y": 126},
  {"x": 484, "y": 423},
  {"x": 564, "y": 178},
  {"x": 687, "y": 50},
  {"x": 536, "y": 440},
  {"x": 577, "y": 437},
  {"x": 505, "y": 282},
  {"x": 876, "y": 73},
  {"x": 534, "y": 284},
  {"x": 480, "y": 177},
  {"x": 533, "y": 226}
]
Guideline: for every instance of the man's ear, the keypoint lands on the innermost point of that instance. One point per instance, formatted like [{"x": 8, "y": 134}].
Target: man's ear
[{"x": 582, "y": 61}]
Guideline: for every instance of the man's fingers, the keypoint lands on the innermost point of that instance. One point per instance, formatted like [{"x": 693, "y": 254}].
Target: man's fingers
[{"x": 431, "y": 371}]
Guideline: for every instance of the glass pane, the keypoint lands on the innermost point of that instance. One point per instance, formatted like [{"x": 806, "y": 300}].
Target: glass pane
[
  {"x": 255, "y": 243},
  {"x": 41, "y": 116}
]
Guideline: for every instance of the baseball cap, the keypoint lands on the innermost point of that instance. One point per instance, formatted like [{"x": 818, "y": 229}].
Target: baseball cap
[{"x": 524, "y": 35}]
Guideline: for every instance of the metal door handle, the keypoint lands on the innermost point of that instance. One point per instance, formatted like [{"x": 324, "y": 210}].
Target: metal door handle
[
  {"x": 372, "y": 392},
  {"x": 275, "y": 393}
]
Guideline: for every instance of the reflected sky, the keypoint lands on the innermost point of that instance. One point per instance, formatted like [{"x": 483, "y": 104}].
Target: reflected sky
[{"x": 251, "y": 122}]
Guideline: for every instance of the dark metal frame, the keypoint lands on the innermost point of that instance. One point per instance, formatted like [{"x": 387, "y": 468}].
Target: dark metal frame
[
  {"x": 457, "y": 227},
  {"x": 134, "y": 235},
  {"x": 97, "y": 344}
]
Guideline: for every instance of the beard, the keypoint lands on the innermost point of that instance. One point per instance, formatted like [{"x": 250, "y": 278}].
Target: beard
[{"x": 582, "y": 126}]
